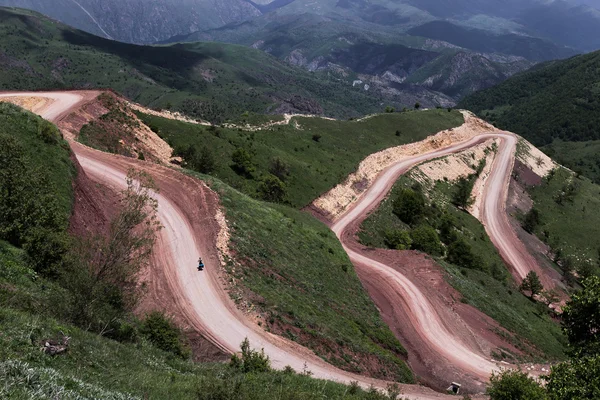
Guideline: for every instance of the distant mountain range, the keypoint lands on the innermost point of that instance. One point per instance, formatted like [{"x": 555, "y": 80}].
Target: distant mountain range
[{"x": 429, "y": 51}]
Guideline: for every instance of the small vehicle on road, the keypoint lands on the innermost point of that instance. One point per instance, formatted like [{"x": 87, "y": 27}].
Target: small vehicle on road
[{"x": 200, "y": 264}]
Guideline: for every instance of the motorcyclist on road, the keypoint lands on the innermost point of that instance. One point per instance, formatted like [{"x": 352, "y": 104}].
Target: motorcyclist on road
[{"x": 200, "y": 264}]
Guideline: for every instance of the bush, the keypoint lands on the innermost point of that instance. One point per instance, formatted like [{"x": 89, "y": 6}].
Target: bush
[
  {"x": 514, "y": 385},
  {"x": 204, "y": 161},
  {"x": 242, "y": 162},
  {"x": 164, "y": 334},
  {"x": 461, "y": 254},
  {"x": 272, "y": 189},
  {"x": 462, "y": 197},
  {"x": 398, "y": 239},
  {"x": 531, "y": 220},
  {"x": 279, "y": 168},
  {"x": 251, "y": 360},
  {"x": 425, "y": 239},
  {"x": 409, "y": 206}
]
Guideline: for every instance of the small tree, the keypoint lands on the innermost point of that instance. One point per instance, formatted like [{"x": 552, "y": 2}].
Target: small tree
[
  {"x": 514, "y": 385},
  {"x": 531, "y": 220},
  {"x": 279, "y": 168},
  {"x": 390, "y": 109},
  {"x": 242, "y": 162},
  {"x": 204, "y": 161},
  {"x": 532, "y": 284},
  {"x": 417, "y": 106},
  {"x": 272, "y": 189},
  {"x": 581, "y": 318},
  {"x": 461, "y": 254},
  {"x": 462, "y": 196},
  {"x": 409, "y": 206}
]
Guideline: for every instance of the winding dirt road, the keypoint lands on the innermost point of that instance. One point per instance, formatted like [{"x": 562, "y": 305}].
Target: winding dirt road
[{"x": 214, "y": 314}]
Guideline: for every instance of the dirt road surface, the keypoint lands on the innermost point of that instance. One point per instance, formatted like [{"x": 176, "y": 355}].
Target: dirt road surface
[{"x": 201, "y": 294}]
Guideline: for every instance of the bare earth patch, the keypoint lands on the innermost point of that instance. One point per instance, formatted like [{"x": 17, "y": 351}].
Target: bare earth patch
[
  {"x": 339, "y": 199},
  {"x": 33, "y": 104},
  {"x": 534, "y": 158}
]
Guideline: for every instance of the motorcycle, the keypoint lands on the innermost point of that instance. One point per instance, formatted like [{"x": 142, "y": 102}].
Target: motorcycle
[{"x": 200, "y": 265}]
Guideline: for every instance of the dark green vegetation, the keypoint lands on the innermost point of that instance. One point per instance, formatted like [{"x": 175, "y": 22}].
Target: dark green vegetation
[
  {"x": 567, "y": 204},
  {"x": 209, "y": 81},
  {"x": 460, "y": 244},
  {"x": 308, "y": 161},
  {"x": 576, "y": 379},
  {"x": 555, "y": 105},
  {"x": 294, "y": 263},
  {"x": 295, "y": 271}
]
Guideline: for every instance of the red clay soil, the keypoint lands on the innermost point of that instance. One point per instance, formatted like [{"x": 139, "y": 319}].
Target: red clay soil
[
  {"x": 474, "y": 327},
  {"x": 95, "y": 204}
]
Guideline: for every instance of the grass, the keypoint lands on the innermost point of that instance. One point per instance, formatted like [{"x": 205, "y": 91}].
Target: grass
[
  {"x": 490, "y": 291},
  {"x": 295, "y": 271},
  {"x": 52, "y": 157},
  {"x": 574, "y": 225},
  {"x": 319, "y": 155},
  {"x": 95, "y": 367}
]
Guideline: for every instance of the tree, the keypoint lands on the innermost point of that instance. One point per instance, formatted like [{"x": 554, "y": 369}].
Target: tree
[
  {"x": 398, "y": 239},
  {"x": 462, "y": 197},
  {"x": 425, "y": 239},
  {"x": 409, "y": 206},
  {"x": 447, "y": 227},
  {"x": 417, "y": 106},
  {"x": 532, "y": 284},
  {"x": 204, "y": 161},
  {"x": 390, "y": 109},
  {"x": 279, "y": 168},
  {"x": 460, "y": 253},
  {"x": 577, "y": 379},
  {"x": 102, "y": 272},
  {"x": 242, "y": 162},
  {"x": 272, "y": 189},
  {"x": 531, "y": 220},
  {"x": 581, "y": 318},
  {"x": 514, "y": 385}
]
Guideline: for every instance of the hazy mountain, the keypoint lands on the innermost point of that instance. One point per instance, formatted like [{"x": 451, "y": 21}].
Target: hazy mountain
[{"x": 141, "y": 21}]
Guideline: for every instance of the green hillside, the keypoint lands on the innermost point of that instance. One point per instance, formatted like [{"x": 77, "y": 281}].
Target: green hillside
[
  {"x": 555, "y": 106},
  {"x": 204, "y": 80},
  {"x": 307, "y": 160},
  {"x": 472, "y": 263}
]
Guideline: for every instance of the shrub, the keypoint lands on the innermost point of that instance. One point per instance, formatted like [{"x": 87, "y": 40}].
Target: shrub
[
  {"x": 242, "y": 162},
  {"x": 425, "y": 239},
  {"x": 409, "y": 206},
  {"x": 398, "y": 239},
  {"x": 461, "y": 254},
  {"x": 279, "y": 168},
  {"x": 164, "y": 334},
  {"x": 251, "y": 360},
  {"x": 531, "y": 220},
  {"x": 514, "y": 385},
  {"x": 272, "y": 189}
]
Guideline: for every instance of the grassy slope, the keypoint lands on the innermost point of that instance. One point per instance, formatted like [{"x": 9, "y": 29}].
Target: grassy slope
[
  {"x": 95, "y": 367},
  {"x": 573, "y": 226},
  {"x": 302, "y": 281},
  {"x": 500, "y": 300},
  {"x": 52, "y": 158},
  {"x": 315, "y": 167},
  {"x": 201, "y": 79},
  {"x": 553, "y": 101}
]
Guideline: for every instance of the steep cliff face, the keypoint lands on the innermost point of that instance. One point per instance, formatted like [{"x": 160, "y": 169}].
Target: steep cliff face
[{"x": 141, "y": 21}]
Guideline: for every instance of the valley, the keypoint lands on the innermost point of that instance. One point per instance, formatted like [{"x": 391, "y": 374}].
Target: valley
[{"x": 298, "y": 199}]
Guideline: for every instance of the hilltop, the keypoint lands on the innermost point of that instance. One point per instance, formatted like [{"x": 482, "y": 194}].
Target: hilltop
[{"x": 555, "y": 106}]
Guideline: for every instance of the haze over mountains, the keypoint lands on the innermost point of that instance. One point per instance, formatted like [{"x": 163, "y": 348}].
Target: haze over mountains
[{"x": 410, "y": 51}]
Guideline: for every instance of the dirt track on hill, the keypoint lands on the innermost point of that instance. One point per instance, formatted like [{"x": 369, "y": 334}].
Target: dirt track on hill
[{"x": 187, "y": 209}]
